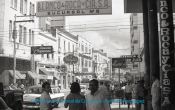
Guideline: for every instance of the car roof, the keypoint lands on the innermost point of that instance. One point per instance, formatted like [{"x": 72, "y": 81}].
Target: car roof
[{"x": 40, "y": 86}]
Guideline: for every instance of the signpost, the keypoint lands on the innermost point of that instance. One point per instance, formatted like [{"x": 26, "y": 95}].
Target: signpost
[
  {"x": 41, "y": 49},
  {"x": 73, "y": 7}
]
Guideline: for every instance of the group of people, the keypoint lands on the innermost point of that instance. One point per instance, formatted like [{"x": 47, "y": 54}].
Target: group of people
[{"x": 96, "y": 99}]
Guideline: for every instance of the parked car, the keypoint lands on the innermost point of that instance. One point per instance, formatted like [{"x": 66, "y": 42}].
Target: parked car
[
  {"x": 32, "y": 96},
  {"x": 3, "y": 105},
  {"x": 12, "y": 98}
]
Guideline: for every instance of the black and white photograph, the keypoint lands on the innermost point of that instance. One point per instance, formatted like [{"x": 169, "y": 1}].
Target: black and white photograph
[{"x": 87, "y": 55}]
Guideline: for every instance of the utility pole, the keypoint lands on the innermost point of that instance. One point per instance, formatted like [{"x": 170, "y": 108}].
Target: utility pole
[
  {"x": 14, "y": 43},
  {"x": 14, "y": 51}
]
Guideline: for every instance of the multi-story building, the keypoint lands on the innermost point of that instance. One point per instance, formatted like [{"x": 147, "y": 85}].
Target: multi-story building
[
  {"x": 67, "y": 44},
  {"x": 14, "y": 16},
  {"x": 137, "y": 43},
  {"x": 101, "y": 64},
  {"x": 85, "y": 69}
]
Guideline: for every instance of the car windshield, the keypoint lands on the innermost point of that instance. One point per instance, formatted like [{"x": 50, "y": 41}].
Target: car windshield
[{"x": 34, "y": 91}]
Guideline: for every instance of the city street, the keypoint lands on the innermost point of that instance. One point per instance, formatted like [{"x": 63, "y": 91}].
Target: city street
[{"x": 114, "y": 106}]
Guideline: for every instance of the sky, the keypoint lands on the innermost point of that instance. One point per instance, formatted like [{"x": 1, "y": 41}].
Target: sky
[{"x": 108, "y": 32}]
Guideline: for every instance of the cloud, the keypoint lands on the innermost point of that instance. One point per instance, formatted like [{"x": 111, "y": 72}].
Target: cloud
[{"x": 108, "y": 32}]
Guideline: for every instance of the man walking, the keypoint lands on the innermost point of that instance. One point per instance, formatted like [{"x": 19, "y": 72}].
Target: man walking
[{"x": 96, "y": 100}]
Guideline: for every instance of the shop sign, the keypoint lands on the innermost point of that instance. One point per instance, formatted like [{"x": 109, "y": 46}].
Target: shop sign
[
  {"x": 70, "y": 59},
  {"x": 41, "y": 49},
  {"x": 73, "y": 7},
  {"x": 167, "y": 48},
  {"x": 118, "y": 63}
]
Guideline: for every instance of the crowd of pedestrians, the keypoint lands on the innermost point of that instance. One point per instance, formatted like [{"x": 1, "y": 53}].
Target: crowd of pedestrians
[{"x": 100, "y": 96}]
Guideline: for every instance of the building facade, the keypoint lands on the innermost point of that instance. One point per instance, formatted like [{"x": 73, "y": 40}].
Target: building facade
[
  {"x": 137, "y": 43},
  {"x": 101, "y": 64},
  {"x": 24, "y": 38}
]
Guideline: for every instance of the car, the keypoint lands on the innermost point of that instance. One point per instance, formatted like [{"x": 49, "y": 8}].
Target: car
[
  {"x": 31, "y": 97},
  {"x": 3, "y": 105}
]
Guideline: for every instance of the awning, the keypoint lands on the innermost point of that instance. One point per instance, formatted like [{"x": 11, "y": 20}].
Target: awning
[
  {"x": 18, "y": 75},
  {"x": 44, "y": 72},
  {"x": 32, "y": 75}
]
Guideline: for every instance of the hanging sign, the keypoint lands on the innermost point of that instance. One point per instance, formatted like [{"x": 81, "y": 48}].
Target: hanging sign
[
  {"x": 167, "y": 51},
  {"x": 73, "y": 7}
]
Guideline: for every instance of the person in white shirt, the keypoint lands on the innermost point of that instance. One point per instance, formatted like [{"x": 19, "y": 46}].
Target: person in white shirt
[
  {"x": 96, "y": 100},
  {"x": 128, "y": 94},
  {"x": 155, "y": 92},
  {"x": 45, "y": 99}
]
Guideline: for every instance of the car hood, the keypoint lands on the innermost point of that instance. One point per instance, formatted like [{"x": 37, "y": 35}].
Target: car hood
[{"x": 30, "y": 97}]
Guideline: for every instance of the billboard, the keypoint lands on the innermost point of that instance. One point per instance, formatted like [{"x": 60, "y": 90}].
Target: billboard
[
  {"x": 118, "y": 63},
  {"x": 135, "y": 6},
  {"x": 73, "y": 7}
]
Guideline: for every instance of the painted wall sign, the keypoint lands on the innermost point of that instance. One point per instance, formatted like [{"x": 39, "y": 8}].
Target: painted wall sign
[
  {"x": 167, "y": 49},
  {"x": 73, "y": 7}
]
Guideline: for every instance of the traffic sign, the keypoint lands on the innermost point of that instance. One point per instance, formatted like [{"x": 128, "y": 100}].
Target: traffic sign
[{"x": 41, "y": 49}]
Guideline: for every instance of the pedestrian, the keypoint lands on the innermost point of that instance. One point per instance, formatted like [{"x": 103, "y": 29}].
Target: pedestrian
[
  {"x": 95, "y": 100},
  {"x": 75, "y": 100},
  {"x": 104, "y": 89},
  {"x": 155, "y": 92},
  {"x": 45, "y": 99},
  {"x": 128, "y": 94},
  {"x": 139, "y": 94}
]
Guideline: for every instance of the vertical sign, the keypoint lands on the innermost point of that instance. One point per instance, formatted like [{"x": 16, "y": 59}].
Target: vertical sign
[{"x": 167, "y": 51}]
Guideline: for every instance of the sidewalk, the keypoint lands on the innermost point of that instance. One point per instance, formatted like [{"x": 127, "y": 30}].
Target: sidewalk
[{"x": 115, "y": 106}]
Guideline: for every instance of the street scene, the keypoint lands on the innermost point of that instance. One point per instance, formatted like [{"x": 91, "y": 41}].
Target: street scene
[{"x": 87, "y": 55}]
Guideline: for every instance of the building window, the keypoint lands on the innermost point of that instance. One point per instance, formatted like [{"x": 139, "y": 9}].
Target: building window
[
  {"x": 89, "y": 51},
  {"x": 20, "y": 34},
  {"x": 21, "y": 6},
  {"x": 47, "y": 56},
  {"x": 59, "y": 62},
  {"x": 30, "y": 9},
  {"x": 82, "y": 48},
  {"x": 52, "y": 56},
  {"x": 30, "y": 37},
  {"x": 25, "y": 35},
  {"x": 10, "y": 30},
  {"x": 86, "y": 63},
  {"x": 13, "y": 4},
  {"x": 33, "y": 35},
  {"x": 25, "y": 7},
  {"x": 42, "y": 55},
  {"x": 89, "y": 63},
  {"x": 73, "y": 48},
  {"x": 64, "y": 46},
  {"x": 33, "y": 9},
  {"x": 68, "y": 46}
]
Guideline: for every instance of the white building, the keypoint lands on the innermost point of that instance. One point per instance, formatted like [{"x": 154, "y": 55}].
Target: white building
[
  {"x": 11, "y": 11},
  {"x": 101, "y": 64},
  {"x": 67, "y": 44},
  {"x": 85, "y": 69},
  {"x": 137, "y": 43}
]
